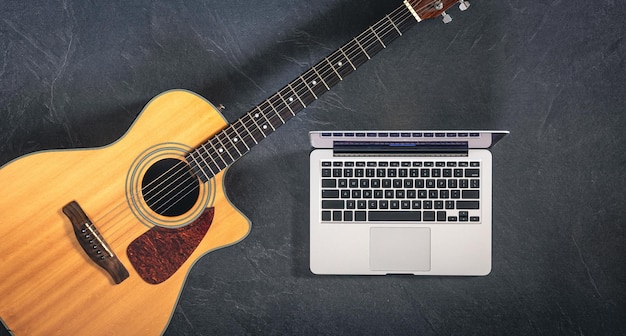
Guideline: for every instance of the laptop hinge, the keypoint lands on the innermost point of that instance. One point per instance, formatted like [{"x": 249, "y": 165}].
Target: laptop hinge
[{"x": 404, "y": 148}]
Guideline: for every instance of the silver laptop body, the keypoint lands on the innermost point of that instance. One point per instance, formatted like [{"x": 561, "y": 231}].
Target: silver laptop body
[{"x": 401, "y": 202}]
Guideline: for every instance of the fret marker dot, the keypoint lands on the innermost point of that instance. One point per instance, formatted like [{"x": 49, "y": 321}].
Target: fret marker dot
[
  {"x": 314, "y": 82},
  {"x": 221, "y": 150},
  {"x": 340, "y": 63},
  {"x": 290, "y": 99},
  {"x": 264, "y": 126},
  {"x": 256, "y": 115},
  {"x": 235, "y": 139}
]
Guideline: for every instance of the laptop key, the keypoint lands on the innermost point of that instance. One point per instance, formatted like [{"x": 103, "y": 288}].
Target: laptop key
[
  {"x": 472, "y": 172},
  {"x": 470, "y": 194},
  {"x": 329, "y": 183},
  {"x": 359, "y": 216},
  {"x": 467, "y": 205},
  {"x": 332, "y": 204},
  {"x": 330, "y": 193},
  {"x": 413, "y": 216},
  {"x": 337, "y": 216},
  {"x": 429, "y": 216},
  {"x": 441, "y": 216},
  {"x": 463, "y": 216},
  {"x": 326, "y": 216},
  {"x": 347, "y": 216}
]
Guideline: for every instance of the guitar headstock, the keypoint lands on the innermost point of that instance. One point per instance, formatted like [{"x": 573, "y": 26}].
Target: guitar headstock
[{"x": 427, "y": 9}]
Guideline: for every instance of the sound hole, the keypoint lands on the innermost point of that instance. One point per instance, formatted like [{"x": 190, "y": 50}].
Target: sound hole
[{"x": 169, "y": 188}]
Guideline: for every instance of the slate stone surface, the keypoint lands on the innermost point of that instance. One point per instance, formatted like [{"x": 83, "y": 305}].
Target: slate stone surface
[{"x": 76, "y": 73}]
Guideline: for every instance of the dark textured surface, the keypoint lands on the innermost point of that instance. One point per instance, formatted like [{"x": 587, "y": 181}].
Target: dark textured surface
[{"x": 76, "y": 73}]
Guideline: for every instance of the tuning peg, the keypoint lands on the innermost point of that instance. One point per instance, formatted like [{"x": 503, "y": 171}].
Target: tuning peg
[
  {"x": 464, "y": 5},
  {"x": 446, "y": 17}
]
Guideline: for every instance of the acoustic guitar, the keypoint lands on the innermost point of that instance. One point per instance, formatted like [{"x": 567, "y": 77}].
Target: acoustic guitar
[{"x": 100, "y": 241}]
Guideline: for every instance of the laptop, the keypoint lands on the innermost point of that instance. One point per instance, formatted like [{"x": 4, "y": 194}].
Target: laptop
[{"x": 401, "y": 202}]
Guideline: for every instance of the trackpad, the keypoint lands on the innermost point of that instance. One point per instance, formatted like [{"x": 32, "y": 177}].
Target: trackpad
[{"x": 399, "y": 249}]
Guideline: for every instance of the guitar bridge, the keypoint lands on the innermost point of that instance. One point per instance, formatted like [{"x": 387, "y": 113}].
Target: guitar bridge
[{"x": 93, "y": 243}]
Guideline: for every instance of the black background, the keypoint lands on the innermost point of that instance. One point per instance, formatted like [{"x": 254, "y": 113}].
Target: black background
[{"x": 76, "y": 73}]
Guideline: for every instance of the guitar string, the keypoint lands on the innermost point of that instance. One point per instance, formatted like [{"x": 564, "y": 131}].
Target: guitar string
[
  {"x": 328, "y": 71},
  {"x": 194, "y": 186},
  {"x": 277, "y": 111},
  {"x": 272, "y": 117},
  {"x": 367, "y": 44},
  {"x": 324, "y": 74}
]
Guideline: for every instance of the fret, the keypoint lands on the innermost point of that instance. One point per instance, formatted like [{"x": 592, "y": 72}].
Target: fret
[
  {"x": 335, "y": 70},
  {"x": 355, "y": 53},
  {"x": 407, "y": 20},
  {"x": 347, "y": 58},
  {"x": 304, "y": 92},
  {"x": 275, "y": 111},
  {"x": 297, "y": 95},
  {"x": 254, "y": 120},
  {"x": 292, "y": 99},
  {"x": 211, "y": 164},
  {"x": 371, "y": 44},
  {"x": 217, "y": 154},
  {"x": 224, "y": 146},
  {"x": 328, "y": 74},
  {"x": 286, "y": 104},
  {"x": 281, "y": 107},
  {"x": 393, "y": 24},
  {"x": 238, "y": 140},
  {"x": 342, "y": 64},
  {"x": 307, "y": 85},
  {"x": 321, "y": 78},
  {"x": 197, "y": 169},
  {"x": 385, "y": 32},
  {"x": 360, "y": 46},
  {"x": 247, "y": 130},
  {"x": 272, "y": 113},
  {"x": 315, "y": 83},
  {"x": 231, "y": 132},
  {"x": 213, "y": 169},
  {"x": 264, "y": 126},
  {"x": 378, "y": 37}
]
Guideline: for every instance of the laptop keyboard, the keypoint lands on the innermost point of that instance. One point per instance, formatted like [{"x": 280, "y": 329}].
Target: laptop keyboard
[{"x": 356, "y": 190}]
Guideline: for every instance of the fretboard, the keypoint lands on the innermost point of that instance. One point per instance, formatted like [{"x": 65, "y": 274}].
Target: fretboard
[{"x": 238, "y": 138}]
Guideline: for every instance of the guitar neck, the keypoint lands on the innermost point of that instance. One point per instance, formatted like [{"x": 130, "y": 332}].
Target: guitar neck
[{"x": 238, "y": 138}]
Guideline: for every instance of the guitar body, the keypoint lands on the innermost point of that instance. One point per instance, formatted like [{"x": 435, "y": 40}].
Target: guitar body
[{"x": 48, "y": 283}]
